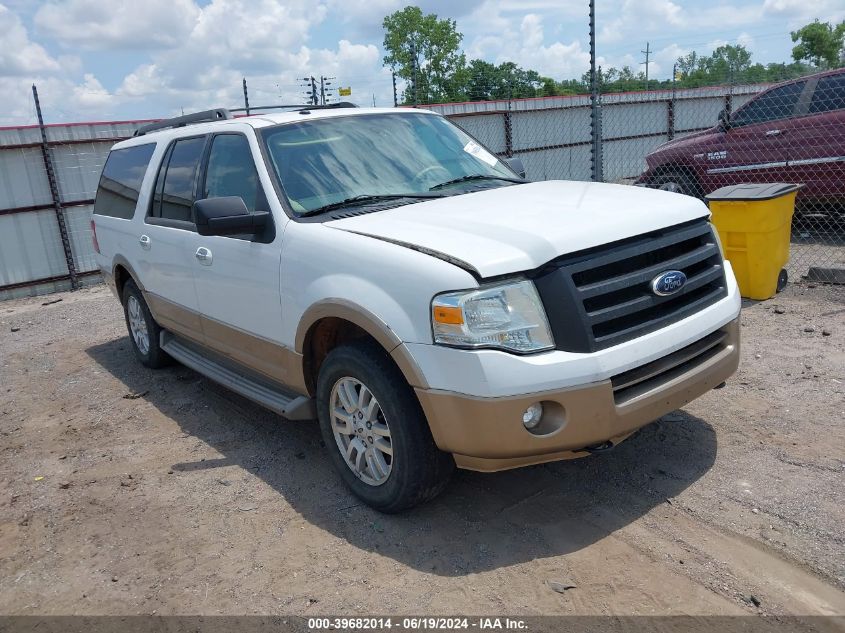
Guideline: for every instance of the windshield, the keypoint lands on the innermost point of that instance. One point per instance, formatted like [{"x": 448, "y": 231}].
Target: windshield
[{"x": 324, "y": 162}]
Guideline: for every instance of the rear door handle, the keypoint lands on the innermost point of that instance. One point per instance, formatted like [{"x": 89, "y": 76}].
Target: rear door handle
[
  {"x": 144, "y": 241},
  {"x": 773, "y": 133},
  {"x": 204, "y": 256}
]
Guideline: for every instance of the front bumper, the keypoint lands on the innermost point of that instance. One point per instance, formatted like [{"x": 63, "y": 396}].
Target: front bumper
[{"x": 487, "y": 434}]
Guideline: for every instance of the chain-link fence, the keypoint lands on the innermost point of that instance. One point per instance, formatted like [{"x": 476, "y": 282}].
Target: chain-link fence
[
  {"x": 692, "y": 140},
  {"x": 38, "y": 252}
]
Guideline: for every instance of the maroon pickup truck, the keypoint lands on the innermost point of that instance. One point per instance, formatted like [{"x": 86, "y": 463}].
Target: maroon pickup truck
[{"x": 792, "y": 132}]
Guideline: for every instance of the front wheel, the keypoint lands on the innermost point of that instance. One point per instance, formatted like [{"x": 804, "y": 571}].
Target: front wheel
[{"x": 376, "y": 432}]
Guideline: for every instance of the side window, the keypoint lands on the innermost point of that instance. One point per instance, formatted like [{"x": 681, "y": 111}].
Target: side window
[
  {"x": 231, "y": 172},
  {"x": 117, "y": 193},
  {"x": 176, "y": 182},
  {"x": 829, "y": 95},
  {"x": 771, "y": 106}
]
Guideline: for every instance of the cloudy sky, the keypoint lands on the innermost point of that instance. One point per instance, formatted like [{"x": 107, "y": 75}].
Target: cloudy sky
[{"x": 128, "y": 59}]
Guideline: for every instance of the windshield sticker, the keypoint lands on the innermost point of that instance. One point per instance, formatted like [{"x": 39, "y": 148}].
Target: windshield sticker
[{"x": 474, "y": 149}]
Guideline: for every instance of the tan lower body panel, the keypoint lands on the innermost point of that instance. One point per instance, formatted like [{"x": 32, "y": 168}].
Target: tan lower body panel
[
  {"x": 487, "y": 434},
  {"x": 280, "y": 364},
  {"x": 171, "y": 316}
]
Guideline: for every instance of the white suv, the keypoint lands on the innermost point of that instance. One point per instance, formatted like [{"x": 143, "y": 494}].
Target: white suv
[{"x": 380, "y": 270}]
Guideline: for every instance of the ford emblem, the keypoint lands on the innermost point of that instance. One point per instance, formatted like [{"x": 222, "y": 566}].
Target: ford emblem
[{"x": 668, "y": 283}]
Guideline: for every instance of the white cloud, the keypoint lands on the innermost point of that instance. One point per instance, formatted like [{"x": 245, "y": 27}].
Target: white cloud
[
  {"x": 91, "y": 94},
  {"x": 61, "y": 100},
  {"x": 24, "y": 63},
  {"x": 19, "y": 55},
  {"x": 227, "y": 43},
  {"x": 640, "y": 17},
  {"x": 521, "y": 39},
  {"x": 746, "y": 40},
  {"x": 803, "y": 11},
  {"x": 123, "y": 24}
]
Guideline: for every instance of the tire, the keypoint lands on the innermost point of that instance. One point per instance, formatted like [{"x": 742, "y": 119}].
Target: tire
[
  {"x": 415, "y": 471},
  {"x": 142, "y": 327},
  {"x": 677, "y": 181}
]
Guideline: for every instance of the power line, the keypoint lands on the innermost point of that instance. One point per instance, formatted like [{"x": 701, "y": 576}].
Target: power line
[{"x": 688, "y": 43}]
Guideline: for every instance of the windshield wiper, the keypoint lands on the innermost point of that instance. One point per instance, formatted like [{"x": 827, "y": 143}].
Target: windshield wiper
[
  {"x": 476, "y": 177},
  {"x": 364, "y": 198}
]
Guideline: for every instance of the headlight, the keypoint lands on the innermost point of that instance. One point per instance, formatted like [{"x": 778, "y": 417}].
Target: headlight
[{"x": 507, "y": 316}]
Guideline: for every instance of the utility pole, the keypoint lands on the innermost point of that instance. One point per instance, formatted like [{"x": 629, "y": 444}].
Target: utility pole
[
  {"x": 325, "y": 91},
  {"x": 311, "y": 90},
  {"x": 647, "y": 53}
]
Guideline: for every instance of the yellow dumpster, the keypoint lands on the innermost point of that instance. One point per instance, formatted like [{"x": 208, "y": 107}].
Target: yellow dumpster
[{"x": 754, "y": 223}]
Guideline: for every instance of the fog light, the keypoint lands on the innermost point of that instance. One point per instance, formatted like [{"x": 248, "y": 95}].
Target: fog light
[{"x": 532, "y": 416}]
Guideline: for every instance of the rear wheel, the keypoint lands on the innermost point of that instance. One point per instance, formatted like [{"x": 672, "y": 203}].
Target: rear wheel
[
  {"x": 376, "y": 432},
  {"x": 144, "y": 332},
  {"x": 677, "y": 181}
]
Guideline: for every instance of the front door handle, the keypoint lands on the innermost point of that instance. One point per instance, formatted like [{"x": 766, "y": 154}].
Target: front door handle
[
  {"x": 773, "y": 133},
  {"x": 144, "y": 241},
  {"x": 204, "y": 256}
]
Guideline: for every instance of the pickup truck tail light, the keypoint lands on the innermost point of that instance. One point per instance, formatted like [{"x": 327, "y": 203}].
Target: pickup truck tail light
[{"x": 94, "y": 237}]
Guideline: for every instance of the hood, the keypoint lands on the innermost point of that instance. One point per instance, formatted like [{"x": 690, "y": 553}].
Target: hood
[{"x": 521, "y": 227}]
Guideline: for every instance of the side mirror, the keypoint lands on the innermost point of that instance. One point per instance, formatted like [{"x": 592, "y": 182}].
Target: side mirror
[
  {"x": 724, "y": 120},
  {"x": 516, "y": 164},
  {"x": 227, "y": 216}
]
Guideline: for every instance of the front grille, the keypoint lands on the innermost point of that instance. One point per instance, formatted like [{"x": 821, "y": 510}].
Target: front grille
[
  {"x": 642, "y": 379},
  {"x": 602, "y": 297}
]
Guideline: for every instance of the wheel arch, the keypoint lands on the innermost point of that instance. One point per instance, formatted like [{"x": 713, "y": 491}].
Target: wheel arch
[
  {"x": 122, "y": 272},
  {"x": 332, "y": 322},
  {"x": 666, "y": 169}
]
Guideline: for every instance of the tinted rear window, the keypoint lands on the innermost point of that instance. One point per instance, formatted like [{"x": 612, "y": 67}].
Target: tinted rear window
[
  {"x": 120, "y": 183},
  {"x": 776, "y": 104},
  {"x": 174, "y": 191},
  {"x": 829, "y": 94}
]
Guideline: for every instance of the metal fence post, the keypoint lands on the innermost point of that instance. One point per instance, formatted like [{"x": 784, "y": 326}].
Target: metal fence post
[
  {"x": 670, "y": 108},
  {"x": 509, "y": 125},
  {"x": 246, "y": 98},
  {"x": 595, "y": 104},
  {"x": 54, "y": 192}
]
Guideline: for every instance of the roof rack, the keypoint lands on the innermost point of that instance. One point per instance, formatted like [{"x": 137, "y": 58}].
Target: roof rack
[
  {"x": 222, "y": 114},
  {"x": 297, "y": 106},
  {"x": 218, "y": 114}
]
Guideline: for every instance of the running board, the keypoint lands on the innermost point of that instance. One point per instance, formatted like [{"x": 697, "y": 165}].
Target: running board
[{"x": 289, "y": 405}]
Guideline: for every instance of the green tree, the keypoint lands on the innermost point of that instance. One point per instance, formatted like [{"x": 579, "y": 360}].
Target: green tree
[
  {"x": 424, "y": 51},
  {"x": 687, "y": 64},
  {"x": 819, "y": 43},
  {"x": 728, "y": 61}
]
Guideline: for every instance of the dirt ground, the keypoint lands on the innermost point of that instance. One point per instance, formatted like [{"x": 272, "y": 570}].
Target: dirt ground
[{"x": 130, "y": 491}]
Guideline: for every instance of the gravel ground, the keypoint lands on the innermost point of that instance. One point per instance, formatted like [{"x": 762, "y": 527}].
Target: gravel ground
[{"x": 130, "y": 491}]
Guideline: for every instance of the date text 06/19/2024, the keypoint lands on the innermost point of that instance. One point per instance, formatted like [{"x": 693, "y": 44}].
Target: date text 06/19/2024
[{"x": 417, "y": 623}]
